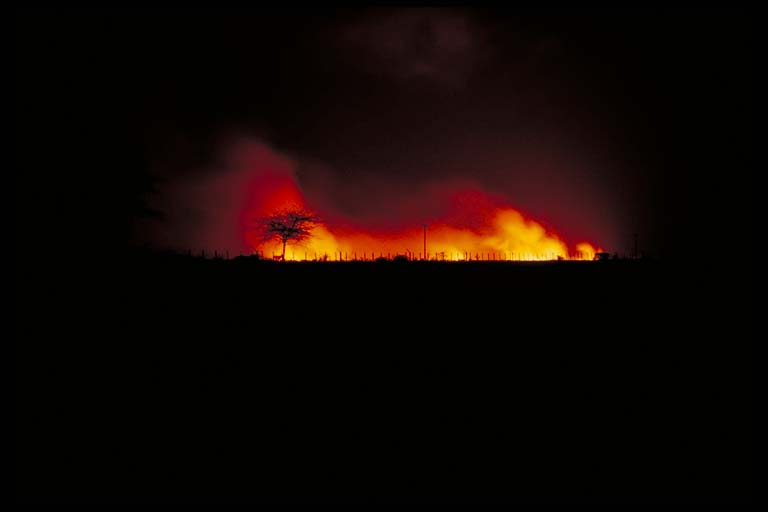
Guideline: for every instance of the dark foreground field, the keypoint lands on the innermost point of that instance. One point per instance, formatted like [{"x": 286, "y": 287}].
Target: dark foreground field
[{"x": 171, "y": 379}]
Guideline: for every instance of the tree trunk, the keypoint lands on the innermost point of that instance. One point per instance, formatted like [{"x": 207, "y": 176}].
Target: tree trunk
[{"x": 284, "y": 242}]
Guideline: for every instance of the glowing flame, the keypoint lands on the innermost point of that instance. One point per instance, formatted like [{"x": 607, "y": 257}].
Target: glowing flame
[
  {"x": 585, "y": 251},
  {"x": 507, "y": 236}
]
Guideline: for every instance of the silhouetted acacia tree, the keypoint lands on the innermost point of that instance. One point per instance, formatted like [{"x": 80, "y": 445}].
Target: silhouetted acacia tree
[{"x": 290, "y": 225}]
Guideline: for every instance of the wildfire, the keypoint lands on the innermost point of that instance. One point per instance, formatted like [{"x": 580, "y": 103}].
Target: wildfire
[
  {"x": 228, "y": 208},
  {"x": 506, "y": 235},
  {"x": 474, "y": 226}
]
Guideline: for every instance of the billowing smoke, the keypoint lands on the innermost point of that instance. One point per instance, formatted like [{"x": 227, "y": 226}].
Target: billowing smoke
[{"x": 211, "y": 209}]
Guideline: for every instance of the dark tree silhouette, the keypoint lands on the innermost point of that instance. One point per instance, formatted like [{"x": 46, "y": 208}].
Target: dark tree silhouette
[{"x": 290, "y": 225}]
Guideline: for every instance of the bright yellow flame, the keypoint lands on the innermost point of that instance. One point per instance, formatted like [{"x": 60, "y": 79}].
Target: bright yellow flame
[{"x": 517, "y": 235}]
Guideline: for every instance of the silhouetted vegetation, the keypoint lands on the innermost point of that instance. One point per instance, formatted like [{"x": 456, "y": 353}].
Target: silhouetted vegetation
[{"x": 289, "y": 225}]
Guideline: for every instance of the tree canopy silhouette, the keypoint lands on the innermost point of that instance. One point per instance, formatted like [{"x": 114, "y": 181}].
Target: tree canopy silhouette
[{"x": 289, "y": 225}]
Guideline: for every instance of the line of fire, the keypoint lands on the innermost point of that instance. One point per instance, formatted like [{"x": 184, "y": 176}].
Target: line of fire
[{"x": 298, "y": 235}]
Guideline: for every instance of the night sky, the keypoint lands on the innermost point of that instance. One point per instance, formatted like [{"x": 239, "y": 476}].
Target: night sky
[{"x": 597, "y": 123}]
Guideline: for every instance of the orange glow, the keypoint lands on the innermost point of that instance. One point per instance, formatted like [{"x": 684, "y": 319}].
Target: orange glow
[{"x": 509, "y": 236}]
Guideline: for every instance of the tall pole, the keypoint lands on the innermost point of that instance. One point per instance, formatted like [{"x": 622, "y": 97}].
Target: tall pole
[{"x": 425, "y": 241}]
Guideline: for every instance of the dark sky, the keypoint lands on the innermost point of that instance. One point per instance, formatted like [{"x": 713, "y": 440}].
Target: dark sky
[{"x": 602, "y": 123}]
